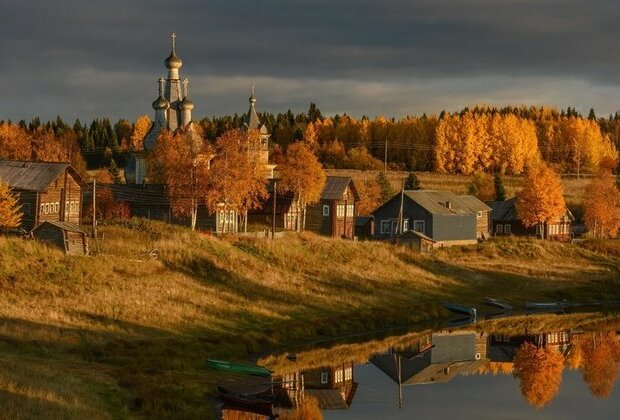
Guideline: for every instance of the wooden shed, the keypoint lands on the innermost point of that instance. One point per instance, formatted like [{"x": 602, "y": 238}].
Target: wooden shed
[
  {"x": 416, "y": 241},
  {"x": 66, "y": 236}
]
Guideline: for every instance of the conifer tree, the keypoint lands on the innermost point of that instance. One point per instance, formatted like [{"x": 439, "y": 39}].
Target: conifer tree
[
  {"x": 387, "y": 191},
  {"x": 412, "y": 182},
  {"x": 500, "y": 192}
]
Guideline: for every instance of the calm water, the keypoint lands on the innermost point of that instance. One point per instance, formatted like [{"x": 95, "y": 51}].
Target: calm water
[{"x": 495, "y": 370}]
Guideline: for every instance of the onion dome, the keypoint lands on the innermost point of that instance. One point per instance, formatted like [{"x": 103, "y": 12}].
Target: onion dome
[
  {"x": 186, "y": 104},
  {"x": 161, "y": 103},
  {"x": 173, "y": 62}
]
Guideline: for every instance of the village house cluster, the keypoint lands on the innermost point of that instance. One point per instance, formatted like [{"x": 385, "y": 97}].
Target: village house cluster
[{"x": 53, "y": 197}]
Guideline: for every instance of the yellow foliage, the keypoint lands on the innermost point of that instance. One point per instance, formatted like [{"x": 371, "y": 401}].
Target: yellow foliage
[
  {"x": 601, "y": 205},
  {"x": 540, "y": 373},
  {"x": 541, "y": 200},
  {"x": 10, "y": 214}
]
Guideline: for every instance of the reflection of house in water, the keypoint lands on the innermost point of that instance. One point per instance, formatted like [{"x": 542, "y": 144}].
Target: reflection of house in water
[
  {"x": 503, "y": 348},
  {"x": 333, "y": 386},
  {"x": 439, "y": 357}
]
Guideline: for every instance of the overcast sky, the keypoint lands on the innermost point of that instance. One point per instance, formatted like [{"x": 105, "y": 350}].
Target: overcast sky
[{"x": 88, "y": 59}]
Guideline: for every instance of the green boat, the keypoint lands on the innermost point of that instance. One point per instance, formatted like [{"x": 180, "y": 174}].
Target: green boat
[{"x": 237, "y": 367}]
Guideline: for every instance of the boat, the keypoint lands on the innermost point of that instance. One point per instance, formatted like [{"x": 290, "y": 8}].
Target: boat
[
  {"x": 498, "y": 303},
  {"x": 237, "y": 367},
  {"x": 545, "y": 305},
  {"x": 247, "y": 403},
  {"x": 460, "y": 309}
]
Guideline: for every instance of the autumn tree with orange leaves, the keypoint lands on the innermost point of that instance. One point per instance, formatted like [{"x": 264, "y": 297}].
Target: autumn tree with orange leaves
[
  {"x": 238, "y": 181},
  {"x": 10, "y": 212},
  {"x": 140, "y": 129},
  {"x": 539, "y": 370},
  {"x": 601, "y": 205},
  {"x": 303, "y": 175},
  {"x": 180, "y": 161},
  {"x": 541, "y": 200}
]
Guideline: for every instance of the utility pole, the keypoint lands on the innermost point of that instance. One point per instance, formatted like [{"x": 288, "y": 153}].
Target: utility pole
[
  {"x": 400, "y": 212},
  {"x": 385, "y": 158},
  {"x": 273, "y": 218},
  {"x": 94, "y": 227}
]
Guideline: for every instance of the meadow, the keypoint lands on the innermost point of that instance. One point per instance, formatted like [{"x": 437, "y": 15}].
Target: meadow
[{"x": 124, "y": 334}]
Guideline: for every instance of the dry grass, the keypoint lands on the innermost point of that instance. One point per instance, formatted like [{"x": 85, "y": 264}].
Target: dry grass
[{"x": 123, "y": 334}]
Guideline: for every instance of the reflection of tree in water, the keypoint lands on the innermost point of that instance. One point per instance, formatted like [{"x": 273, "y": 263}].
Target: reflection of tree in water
[
  {"x": 309, "y": 409},
  {"x": 601, "y": 355},
  {"x": 539, "y": 370}
]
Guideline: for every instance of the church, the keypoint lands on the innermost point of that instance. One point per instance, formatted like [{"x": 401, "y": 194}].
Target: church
[{"x": 173, "y": 111}]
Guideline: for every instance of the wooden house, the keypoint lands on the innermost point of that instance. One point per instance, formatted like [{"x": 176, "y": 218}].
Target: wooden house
[
  {"x": 47, "y": 191},
  {"x": 287, "y": 212},
  {"x": 505, "y": 221},
  {"x": 334, "y": 215},
  {"x": 66, "y": 236},
  {"x": 443, "y": 217}
]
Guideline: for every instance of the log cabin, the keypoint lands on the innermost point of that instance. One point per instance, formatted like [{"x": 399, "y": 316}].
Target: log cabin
[
  {"x": 334, "y": 215},
  {"x": 47, "y": 191}
]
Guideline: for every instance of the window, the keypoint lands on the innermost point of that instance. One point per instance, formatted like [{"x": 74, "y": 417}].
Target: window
[
  {"x": 338, "y": 376},
  {"x": 325, "y": 210},
  {"x": 340, "y": 210},
  {"x": 405, "y": 225},
  {"x": 348, "y": 373},
  {"x": 499, "y": 229},
  {"x": 507, "y": 229},
  {"x": 386, "y": 226},
  {"x": 479, "y": 214},
  {"x": 56, "y": 207},
  {"x": 324, "y": 377},
  {"x": 418, "y": 226},
  {"x": 47, "y": 208},
  {"x": 42, "y": 209}
]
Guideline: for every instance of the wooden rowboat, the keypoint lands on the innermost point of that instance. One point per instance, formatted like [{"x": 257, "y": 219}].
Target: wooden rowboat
[
  {"x": 237, "y": 368},
  {"x": 498, "y": 303},
  {"x": 460, "y": 309}
]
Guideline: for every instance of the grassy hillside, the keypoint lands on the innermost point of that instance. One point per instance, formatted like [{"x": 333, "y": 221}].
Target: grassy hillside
[{"x": 125, "y": 333}]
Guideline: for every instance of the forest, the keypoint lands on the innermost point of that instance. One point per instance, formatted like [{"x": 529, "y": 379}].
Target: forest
[{"x": 482, "y": 138}]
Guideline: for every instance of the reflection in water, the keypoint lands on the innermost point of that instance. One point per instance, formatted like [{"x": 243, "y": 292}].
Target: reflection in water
[{"x": 325, "y": 377}]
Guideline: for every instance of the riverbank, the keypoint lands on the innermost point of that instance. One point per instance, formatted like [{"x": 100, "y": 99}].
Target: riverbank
[{"x": 125, "y": 333}]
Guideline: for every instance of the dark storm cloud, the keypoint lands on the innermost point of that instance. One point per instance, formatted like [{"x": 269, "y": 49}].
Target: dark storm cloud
[{"x": 94, "y": 58}]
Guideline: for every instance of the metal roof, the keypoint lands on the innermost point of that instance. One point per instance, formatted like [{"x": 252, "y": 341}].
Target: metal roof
[
  {"x": 504, "y": 210},
  {"x": 30, "y": 176},
  {"x": 435, "y": 202},
  {"x": 335, "y": 186}
]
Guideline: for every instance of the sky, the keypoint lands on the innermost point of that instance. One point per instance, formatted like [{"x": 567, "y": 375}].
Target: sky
[{"x": 86, "y": 59}]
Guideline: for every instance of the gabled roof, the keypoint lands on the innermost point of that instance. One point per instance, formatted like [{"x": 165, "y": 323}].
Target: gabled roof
[
  {"x": 504, "y": 210},
  {"x": 32, "y": 176},
  {"x": 335, "y": 186},
  {"x": 434, "y": 202},
  {"x": 507, "y": 210},
  {"x": 69, "y": 227}
]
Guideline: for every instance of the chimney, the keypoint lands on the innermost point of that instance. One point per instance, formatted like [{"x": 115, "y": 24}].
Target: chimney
[{"x": 448, "y": 205}]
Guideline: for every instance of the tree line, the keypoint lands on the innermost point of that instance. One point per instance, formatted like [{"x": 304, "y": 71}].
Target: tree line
[{"x": 479, "y": 139}]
